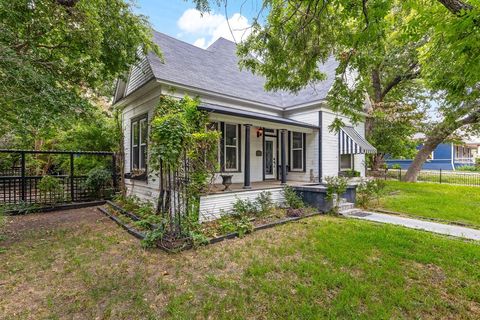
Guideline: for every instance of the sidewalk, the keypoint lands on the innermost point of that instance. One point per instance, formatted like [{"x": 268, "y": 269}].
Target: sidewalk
[{"x": 446, "y": 229}]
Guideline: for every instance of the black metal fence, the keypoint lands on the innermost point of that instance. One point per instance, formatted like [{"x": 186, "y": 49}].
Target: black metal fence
[
  {"x": 435, "y": 176},
  {"x": 23, "y": 177}
]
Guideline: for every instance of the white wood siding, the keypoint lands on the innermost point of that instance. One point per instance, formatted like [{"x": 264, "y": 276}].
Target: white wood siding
[
  {"x": 330, "y": 146},
  {"x": 311, "y": 173},
  {"x": 140, "y": 73},
  {"x": 215, "y": 205}
]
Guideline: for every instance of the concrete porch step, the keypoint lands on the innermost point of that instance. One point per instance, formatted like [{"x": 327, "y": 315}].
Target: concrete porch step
[{"x": 349, "y": 212}]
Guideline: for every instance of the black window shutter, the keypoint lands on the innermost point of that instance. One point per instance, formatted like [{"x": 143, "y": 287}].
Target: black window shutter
[
  {"x": 289, "y": 138},
  {"x": 304, "y": 152},
  {"x": 239, "y": 151},
  {"x": 222, "y": 146}
]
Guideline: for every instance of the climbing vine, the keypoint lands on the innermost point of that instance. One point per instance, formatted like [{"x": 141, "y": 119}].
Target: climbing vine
[{"x": 184, "y": 153}]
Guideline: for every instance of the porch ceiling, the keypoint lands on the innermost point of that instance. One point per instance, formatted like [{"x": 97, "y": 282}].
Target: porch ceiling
[{"x": 254, "y": 115}]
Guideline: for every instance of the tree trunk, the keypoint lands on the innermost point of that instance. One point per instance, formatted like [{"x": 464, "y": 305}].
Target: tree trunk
[
  {"x": 377, "y": 161},
  {"x": 438, "y": 135}
]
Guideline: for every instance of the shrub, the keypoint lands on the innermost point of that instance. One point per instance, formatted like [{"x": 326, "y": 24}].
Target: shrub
[
  {"x": 396, "y": 166},
  {"x": 152, "y": 237},
  {"x": 477, "y": 162},
  {"x": 352, "y": 173},
  {"x": 468, "y": 168},
  {"x": 97, "y": 180},
  {"x": 245, "y": 208},
  {"x": 51, "y": 190},
  {"x": 336, "y": 186},
  {"x": 368, "y": 190},
  {"x": 292, "y": 199},
  {"x": 264, "y": 202}
]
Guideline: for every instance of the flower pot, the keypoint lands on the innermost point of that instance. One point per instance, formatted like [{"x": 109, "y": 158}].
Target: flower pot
[{"x": 226, "y": 181}]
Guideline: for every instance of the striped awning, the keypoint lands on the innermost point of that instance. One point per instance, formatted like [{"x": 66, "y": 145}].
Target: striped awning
[{"x": 351, "y": 142}]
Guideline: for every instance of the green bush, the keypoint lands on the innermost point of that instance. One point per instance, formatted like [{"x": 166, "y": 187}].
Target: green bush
[
  {"x": 264, "y": 203},
  {"x": 352, "y": 173},
  {"x": 245, "y": 208},
  {"x": 51, "y": 190},
  {"x": 98, "y": 180},
  {"x": 336, "y": 186},
  {"x": 468, "y": 168},
  {"x": 396, "y": 166},
  {"x": 369, "y": 190},
  {"x": 292, "y": 199}
]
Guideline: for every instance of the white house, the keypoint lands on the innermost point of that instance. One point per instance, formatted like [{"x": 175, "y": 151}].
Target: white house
[{"x": 258, "y": 128}]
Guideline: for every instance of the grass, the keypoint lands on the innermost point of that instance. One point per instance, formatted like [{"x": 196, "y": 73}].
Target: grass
[
  {"x": 448, "y": 177},
  {"x": 323, "y": 267},
  {"x": 440, "y": 201}
]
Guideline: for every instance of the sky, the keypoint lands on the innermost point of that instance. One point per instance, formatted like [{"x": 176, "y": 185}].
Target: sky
[{"x": 179, "y": 19}]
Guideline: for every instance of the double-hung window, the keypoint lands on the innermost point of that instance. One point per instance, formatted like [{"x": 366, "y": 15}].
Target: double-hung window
[
  {"x": 297, "y": 151},
  {"x": 346, "y": 162},
  {"x": 231, "y": 147},
  {"x": 139, "y": 136}
]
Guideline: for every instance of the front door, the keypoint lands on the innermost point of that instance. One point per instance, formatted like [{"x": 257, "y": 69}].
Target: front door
[{"x": 270, "y": 154}]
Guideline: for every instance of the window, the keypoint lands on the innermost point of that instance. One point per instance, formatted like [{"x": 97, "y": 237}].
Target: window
[
  {"x": 298, "y": 145},
  {"x": 139, "y": 137},
  {"x": 346, "y": 161},
  {"x": 231, "y": 147}
]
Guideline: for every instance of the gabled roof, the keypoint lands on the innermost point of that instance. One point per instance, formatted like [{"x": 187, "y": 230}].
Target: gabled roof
[{"x": 216, "y": 70}]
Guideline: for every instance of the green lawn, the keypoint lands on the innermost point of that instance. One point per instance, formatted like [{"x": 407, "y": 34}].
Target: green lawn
[
  {"x": 322, "y": 267},
  {"x": 441, "y": 201}
]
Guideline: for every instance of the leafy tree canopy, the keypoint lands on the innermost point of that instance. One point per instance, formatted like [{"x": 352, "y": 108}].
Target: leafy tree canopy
[{"x": 55, "y": 56}]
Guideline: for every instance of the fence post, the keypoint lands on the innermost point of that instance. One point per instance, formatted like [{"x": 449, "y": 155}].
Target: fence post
[
  {"x": 440, "y": 175},
  {"x": 72, "y": 185},
  {"x": 400, "y": 174},
  {"x": 23, "y": 195},
  {"x": 114, "y": 172}
]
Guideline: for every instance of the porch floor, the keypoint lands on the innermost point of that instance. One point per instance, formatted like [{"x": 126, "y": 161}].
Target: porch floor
[{"x": 259, "y": 185}]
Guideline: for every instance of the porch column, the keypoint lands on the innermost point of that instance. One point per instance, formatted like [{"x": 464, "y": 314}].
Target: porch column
[
  {"x": 246, "y": 178},
  {"x": 283, "y": 155}
]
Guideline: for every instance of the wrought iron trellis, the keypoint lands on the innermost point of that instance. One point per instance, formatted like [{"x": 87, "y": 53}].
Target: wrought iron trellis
[
  {"x": 19, "y": 185},
  {"x": 174, "y": 201}
]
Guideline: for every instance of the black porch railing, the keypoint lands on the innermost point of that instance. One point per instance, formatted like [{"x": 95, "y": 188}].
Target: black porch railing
[{"x": 21, "y": 178}]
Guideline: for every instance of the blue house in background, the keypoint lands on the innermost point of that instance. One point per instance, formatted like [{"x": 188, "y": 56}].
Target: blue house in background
[{"x": 447, "y": 156}]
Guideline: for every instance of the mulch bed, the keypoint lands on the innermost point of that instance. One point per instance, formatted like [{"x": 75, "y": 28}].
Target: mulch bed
[{"x": 175, "y": 245}]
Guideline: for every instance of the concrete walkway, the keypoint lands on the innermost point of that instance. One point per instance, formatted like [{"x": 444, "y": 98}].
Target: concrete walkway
[{"x": 446, "y": 229}]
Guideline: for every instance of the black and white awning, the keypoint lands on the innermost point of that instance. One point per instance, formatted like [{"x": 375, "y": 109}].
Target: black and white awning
[{"x": 351, "y": 142}]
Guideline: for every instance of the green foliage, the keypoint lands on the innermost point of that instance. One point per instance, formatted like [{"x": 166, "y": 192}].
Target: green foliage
[
  {"x": 265, "y": 203},
  {"x": 98, "y": 180},
  {"x": 65, "y": 53},
  {"x": 230, "y": 224},
  {"x": 369, "y": 190},
  {"x": 51, "y": 190},
  {"x": 178, "y": 132},
  {"x": 292, "y": 199},
  {"x": 336, "y": 187},
  {"x": 152, "y": 238},
  {"x": 245, "y": 208},
  {"x": 468, "y": 168},
  {"x": 198, "y": 239},
  {"x": 352, "y": 173},
  {"x": 396, "y": 166}
]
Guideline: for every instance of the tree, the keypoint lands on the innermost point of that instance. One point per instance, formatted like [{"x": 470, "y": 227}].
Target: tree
[
  {"x": 438, "y": 42},
  {"x": 55, "y": 56}
]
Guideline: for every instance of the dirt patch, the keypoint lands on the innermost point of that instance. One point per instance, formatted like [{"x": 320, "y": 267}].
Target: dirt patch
[{"x": 18, "y": 226}]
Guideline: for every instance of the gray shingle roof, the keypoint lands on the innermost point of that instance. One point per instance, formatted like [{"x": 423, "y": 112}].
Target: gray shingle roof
[{"x": 216, "y": 69}]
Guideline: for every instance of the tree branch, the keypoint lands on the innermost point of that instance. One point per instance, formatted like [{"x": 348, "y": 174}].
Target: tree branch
[
  {"x": 456, "y": 7},
  {"x": 412, "y": 74}
]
